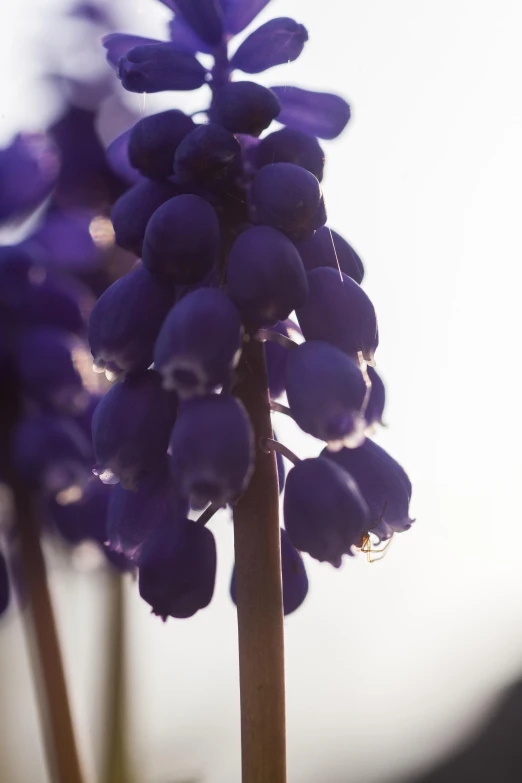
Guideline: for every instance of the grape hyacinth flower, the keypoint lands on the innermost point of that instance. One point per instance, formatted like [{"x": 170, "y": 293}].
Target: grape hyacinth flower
[{"x": 235, "y": 224}]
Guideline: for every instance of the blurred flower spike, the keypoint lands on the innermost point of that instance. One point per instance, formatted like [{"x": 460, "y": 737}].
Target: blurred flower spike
[{"x": 231, "y": 232}]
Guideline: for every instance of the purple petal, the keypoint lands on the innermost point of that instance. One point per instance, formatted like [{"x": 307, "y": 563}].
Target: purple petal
[
  {"x": 159, "y": 67},
  {"x": 239, "y": 13},
  {"x": 119, "y": 44},
  {"x": 131, "y": 213},
  {"x": 203, "y": 16},
  {"x": 244, "y": 107},
  {"x": 291, "y": 146},
  {"x": 184, "y": 38},
  {"x": 278, "y": 41},
  {"x": 154, "y": 140},
  {"x": 318, "y": 113}
]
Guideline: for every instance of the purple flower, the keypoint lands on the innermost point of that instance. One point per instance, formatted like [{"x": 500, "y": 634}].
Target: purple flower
[
  {"x": 325, "y": 514},
  {"x": 265, "y": 275},
  {"x": 274, "y": 43},
  {"x": 131, "y": 428},
  {"x": 382, "y": 482},
  {"x": 328, "y": 248},
  {"x": 178, "y": 569},
  {"x": 134, "y": 516},
  {"x": 212, "y": 450},
  {"x": 326, "y": 391},
  {"x": 294, "y": 578},
  {"x": 199, "y": 344},
  {"x": 292, "y": 146},
  {"x": 182, "y": 239},
  {"x": 126, "y": 321},
  {"x": 339, "y": 312},
  {"x": 377, "y": 399},
  {"x": 209, "y": 155},
  {"x": 158, "y": 67},
  {"x": 244, "y": 107},
  {"x": 132, "y": 212},
  {"x": 289, "y": 198},
  {"x": 317, "y": 113},
  {"x": 153, "y": 142}
]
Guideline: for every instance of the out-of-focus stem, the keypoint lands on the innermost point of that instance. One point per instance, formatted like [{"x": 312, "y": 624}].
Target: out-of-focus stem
[
  {"x": 259, "y": 591},
  {"x": 61, "y": 738},
  {"x": 116, "y": 763}
]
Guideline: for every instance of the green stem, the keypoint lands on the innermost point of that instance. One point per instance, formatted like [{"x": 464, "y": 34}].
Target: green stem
[{"x": 259, "y": 591}]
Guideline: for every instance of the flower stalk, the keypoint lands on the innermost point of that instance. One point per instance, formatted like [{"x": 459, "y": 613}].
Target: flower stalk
[{"x": 259, "y": 592}]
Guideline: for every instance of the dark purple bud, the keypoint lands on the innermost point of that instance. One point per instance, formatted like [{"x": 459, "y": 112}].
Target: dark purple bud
[
  {"x": 47, "y": 361},
  {"x": 52, "y": 452},
  {"x": 85, "y": 519},
  {"x": 328, "y": 248},
  {"x": 326, "y": 391},
  {"x": 159, "y": 67},
  {"x": 178, "y": 569},
  {"x": 131, "y": 428},
  {"x": 318, "y": 113},
  {"x": 274, "y": 43},
  {"x": 291, "y": 146},
  {"x": 132, "y": 211},
  {"x": 154, "y": 140},
  {"x": 266, "y": 278},
  {"x": 377, "y": 399},
  {"x": 244, "y": 107},
  {"x": 184, "y": 38},
  {"x": 118, "y": 45},
  {"x": 64, "y": 240},
  {"x": 182, "y": 239},
  {"x": 28, "y": 171},
  {"x": 118, "y": 158},
  {"x": 126, "y": 321},
  {"x": 339, "y": 312},
  {"x": 294, "y": 578},
  {"x": 134, "y": 516},
  {"x": 239, "y": 13},
  {"x": 289, "y": 198},
  {"x": 276, "y": 358},
  {"x": 382, "y": 482},
  {"x": 208, "y": 155},
  {"x": 203, "y": 16},
  {"x": 199, "y": 344},
  {"x": 4, "y": 585},
  {"x": 212, "y": 450},
  {"x": 325, "y": 514}
]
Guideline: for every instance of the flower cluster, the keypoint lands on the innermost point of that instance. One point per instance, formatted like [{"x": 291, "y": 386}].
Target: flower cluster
[
  {"x": 61, "y": 182},
  {"x": 231, "y": 234}
]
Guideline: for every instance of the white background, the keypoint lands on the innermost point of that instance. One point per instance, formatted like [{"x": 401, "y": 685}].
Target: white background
[{"x": 388, "y": 665}]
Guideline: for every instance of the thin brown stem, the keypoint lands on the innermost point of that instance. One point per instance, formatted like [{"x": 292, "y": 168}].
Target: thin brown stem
[
  {"x": 259, "y": 592},
  {"x": 62, "y": 746}
]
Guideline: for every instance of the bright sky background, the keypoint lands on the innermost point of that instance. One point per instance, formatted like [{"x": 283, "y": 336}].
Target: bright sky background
[{"x": 388, "y": 665}]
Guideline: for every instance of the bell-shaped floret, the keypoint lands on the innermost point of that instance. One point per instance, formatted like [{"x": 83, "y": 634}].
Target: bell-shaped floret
[
  {"x": 159, "y": 67},
  {"x": 46, "y": 360},
  {"x": 131, "y": 427},
  {"x": 289, "y": 198},
  {"x": 325, "y": 514},
  {"x": 182, "y": 239},
  {"x": 294, "y": 578},
  {"x": 291, "y": 146},
  {"x": 126, "y": 321},
  {"x": 51, "y": 452},
  {"x": 328, "y": 248},
  {"x": 326, "y": 391},
  {"x": 212, "y": 450},
  {"x": 339, "y": 312},
  {"x": 134, "y": 516},
  {"x": 4, "y": 585},
  {"x": 133, "y": 210},
  {"x": 154, "y": 140},
  {"x": 383, "y": 483},
  {"x": 266, "y": 278},
  {"x": 274, "y": 43},
  {"x": 244, "y": 107},
  {"x": 83, "y": 519},
  {"x": 199, "y": 344},
  {"x": 209, "y": 155},
  {"x": 178, "y": 569},
  {"x": 377, "y": 399},
  {"x": 318, "y": 113}
]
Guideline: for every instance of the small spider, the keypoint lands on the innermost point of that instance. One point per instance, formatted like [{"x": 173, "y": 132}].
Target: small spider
[{"x": 366, "y": 545}]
